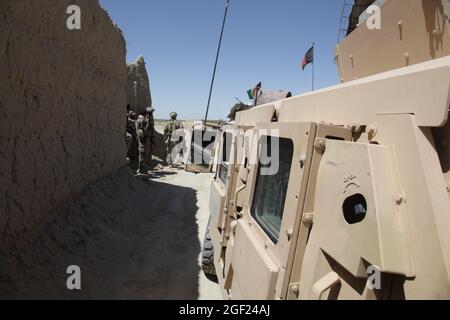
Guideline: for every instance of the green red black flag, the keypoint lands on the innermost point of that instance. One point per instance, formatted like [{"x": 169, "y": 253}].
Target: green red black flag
[{"x": 309, "y": 58}]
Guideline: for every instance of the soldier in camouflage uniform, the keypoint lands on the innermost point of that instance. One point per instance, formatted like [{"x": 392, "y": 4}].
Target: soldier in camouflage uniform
[
  {"x": 141, "y": 125},
  {"x": 130, "y": 131},
  {"x": 149, "y": 131},
  {"x": 171, "y": 127}
]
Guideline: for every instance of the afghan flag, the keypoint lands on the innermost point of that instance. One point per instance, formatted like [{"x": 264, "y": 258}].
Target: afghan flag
[
  {"x": 309, "y": 58},
  {"x": 253, "y": 93},
  {"x": 250, "y": 94}
]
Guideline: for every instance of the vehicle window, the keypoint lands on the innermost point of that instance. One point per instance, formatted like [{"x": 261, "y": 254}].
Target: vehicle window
[
  {"x": 270, "y": 191},
  {"x": 226, "y": 153}
]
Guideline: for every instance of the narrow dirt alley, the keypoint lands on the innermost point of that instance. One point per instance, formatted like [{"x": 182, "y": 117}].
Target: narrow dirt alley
[
  {"x": 132, "y": 238},
  {"x": 202, "y": 184}
]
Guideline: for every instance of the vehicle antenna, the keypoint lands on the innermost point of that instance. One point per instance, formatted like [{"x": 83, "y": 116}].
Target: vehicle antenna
[{"x": 217, "y": 60}]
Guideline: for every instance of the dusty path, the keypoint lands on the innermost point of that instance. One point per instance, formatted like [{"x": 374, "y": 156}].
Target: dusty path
[
  {"x": 132, "y": 239},
  {"x": 202, "y": 184}
]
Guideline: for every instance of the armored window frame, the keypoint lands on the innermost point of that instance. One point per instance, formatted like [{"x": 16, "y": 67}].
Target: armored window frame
[
  {"x": 224, "y": 164},
  {"x": 267, "y": 214}
]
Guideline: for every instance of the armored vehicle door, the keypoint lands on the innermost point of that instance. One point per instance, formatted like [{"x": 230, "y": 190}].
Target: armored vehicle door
[
  {"x": 359, "y": 242},
  {"x": 261, "y": 241},
  {"x": 220, "y": 188}
]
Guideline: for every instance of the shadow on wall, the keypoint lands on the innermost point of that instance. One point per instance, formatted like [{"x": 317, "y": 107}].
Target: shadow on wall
[
  {"x": 159, "y": 148},
  {"x": 441, "y": 139},
  {"x": 131, "y": 239},
  {"x": 436, "y": 22}
]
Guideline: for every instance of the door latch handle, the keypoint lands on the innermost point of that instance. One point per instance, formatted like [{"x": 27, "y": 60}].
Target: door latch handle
[{"x": 323, "y": 285}]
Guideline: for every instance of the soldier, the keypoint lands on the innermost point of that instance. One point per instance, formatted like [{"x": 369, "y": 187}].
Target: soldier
[
  {"x": 130, "y": 131},
  {"x": 149, "y": 131},
  {"x": 140, "y": 134},
  {"x": 171, "y": 127}
]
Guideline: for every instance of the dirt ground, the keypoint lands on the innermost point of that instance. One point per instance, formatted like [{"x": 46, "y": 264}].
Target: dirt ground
[
  {"x": 202, "y": 184},
  {"x": 132, "y": 238}
]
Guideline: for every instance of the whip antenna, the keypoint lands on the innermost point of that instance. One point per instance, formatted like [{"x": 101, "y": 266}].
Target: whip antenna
[{"x": 217, "y": 60}]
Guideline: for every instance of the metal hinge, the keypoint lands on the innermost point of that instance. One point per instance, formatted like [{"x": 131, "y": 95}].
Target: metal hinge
[
  {"x": 308, "y": 219},
  {"x": 294, "y": 289},
  {"x": 320, "y": 144}
]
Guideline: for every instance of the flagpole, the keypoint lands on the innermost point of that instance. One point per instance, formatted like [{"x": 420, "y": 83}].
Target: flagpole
[
  {"x": 313, "y": 64},
  {"x": 217, "y": 59}
]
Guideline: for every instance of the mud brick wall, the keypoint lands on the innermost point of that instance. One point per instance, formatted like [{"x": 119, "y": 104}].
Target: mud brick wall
[
  {"x": 62, "y": 108},
  {"x": 139, "y": 95},
  {"x": 140, "y": 98}
]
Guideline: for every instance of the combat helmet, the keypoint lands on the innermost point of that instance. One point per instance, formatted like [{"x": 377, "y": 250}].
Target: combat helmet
[
  {"x": 173, "y": 115},
  {"x": 140, "y": 120}
]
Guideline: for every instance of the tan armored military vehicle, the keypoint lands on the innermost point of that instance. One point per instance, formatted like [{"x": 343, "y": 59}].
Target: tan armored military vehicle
[
  {"x": 354, "y": 202},
  {"x": 201, "y": 147}
]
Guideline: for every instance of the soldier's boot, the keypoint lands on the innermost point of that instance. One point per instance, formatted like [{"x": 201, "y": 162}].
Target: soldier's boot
[{"x": 138, "y": 171}]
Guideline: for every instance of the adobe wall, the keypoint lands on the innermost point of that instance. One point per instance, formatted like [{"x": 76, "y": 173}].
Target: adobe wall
[
  {"x": 139, "y": 95},
  {"x": 62, "y": 108}
]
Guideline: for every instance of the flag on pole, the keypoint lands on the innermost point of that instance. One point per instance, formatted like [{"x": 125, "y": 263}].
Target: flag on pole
[
  {"x": 253, "y": 93},
  {"x": 309, "y": 58},
  {"x": 250, "y": 94}
]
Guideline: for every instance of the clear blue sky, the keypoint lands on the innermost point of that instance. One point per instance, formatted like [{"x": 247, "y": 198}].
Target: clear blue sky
[{"x": 264, "y": 40}]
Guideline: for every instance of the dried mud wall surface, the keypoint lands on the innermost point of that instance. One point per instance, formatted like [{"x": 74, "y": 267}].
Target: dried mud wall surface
[
  {"x": 62, "y": 109},
  {"x": 159, "y": 148},
  {"x": 138, "y": 86},
  {"x": 140, "y": 98}
]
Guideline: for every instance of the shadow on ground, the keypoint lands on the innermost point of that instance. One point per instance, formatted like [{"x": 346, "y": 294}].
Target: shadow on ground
[
  {"x": 156, "y": 169},
  {"x": 131, "y": 239}
]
